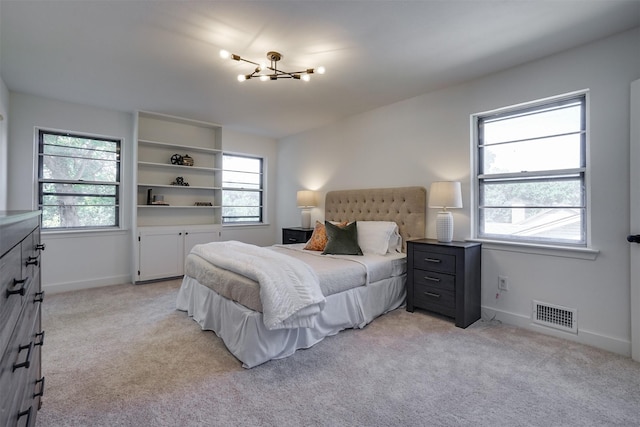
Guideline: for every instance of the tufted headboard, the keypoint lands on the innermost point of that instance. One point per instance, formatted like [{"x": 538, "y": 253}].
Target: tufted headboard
[{"x": 406, "y": 206}]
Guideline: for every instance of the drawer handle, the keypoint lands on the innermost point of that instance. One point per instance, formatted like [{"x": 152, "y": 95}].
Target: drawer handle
[
  {"x": 41, "y": 246},
  {"x": 431, "y": 279},
  {"x": 33, "y": 260},
  {"x": 432, "y": 295},
  {"x": 291, "y": 239},
  {"x": 41, "y": 392},
  {"x": 21, "y": 290},
  {"x": 41, "y": 336},
  {"x": 39, "y": 297},
  {"x": 435, "y": 260},
  {"x": 27, "y": 413},
  {"x": 27, "y": 360}
]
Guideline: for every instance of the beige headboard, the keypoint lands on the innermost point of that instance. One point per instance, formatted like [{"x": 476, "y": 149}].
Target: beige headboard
[{"x": 406, "y": 206}]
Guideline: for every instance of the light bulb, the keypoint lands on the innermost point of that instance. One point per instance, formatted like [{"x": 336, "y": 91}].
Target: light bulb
[
  {"x": 242, "y": 77},
  {"x": 224, "y": 54},
  {"x": 320, "y": 70},
  {"x": 264, "y": 78},
  {"x": 306, "y": 77}
]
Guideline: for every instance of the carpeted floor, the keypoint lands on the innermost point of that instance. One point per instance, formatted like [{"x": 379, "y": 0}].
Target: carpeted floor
[{"x": 123, "y": 356}]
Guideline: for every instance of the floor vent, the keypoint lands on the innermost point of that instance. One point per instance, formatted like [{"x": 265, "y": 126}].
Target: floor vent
[{"x": 555, "y": 316}]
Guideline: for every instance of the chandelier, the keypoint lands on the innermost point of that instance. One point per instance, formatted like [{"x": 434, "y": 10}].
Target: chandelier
[{"x": 266, "y": 72}]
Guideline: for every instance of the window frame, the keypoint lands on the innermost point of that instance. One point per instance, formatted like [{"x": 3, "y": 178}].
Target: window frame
[
  {"x": 261, "y": 190},
  {"x": 39, "y": 181},
  {"x": 536, "y": 245}
]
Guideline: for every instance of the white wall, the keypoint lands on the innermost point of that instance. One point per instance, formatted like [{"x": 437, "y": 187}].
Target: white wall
[
  {"x": 82, "y": 260},
  {"x": 71, "y": 260},
  {"x": 427, "y": 138}
]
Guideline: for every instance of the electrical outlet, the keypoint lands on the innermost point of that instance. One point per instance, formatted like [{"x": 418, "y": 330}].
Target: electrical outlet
[{"x": 503, "y": 283}]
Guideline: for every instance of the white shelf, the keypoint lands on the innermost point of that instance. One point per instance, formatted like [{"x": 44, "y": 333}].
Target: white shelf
[
  {"x": 185, "y": 168},
  {"x": 177, "y": 207},
  {"x": 180, "y": 146},
  {"x": 185, "y": 187}
]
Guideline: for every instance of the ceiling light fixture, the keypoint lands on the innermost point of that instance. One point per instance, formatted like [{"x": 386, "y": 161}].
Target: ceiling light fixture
[{"x": 270, "y": 72}]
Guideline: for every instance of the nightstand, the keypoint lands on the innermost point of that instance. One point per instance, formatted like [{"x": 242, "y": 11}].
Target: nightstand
[
  {"x": 444, "y": 278},
  {"x": 296, "y": 235}
]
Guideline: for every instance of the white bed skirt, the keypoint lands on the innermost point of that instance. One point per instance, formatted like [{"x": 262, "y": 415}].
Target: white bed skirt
[{"x": 246, "y": 337}]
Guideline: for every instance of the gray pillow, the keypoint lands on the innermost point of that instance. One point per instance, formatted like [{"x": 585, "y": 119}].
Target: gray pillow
[{"x": 342, "y": 240}]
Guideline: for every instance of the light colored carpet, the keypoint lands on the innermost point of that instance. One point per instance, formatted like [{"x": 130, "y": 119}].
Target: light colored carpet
[{"x": 123, "y": 356}]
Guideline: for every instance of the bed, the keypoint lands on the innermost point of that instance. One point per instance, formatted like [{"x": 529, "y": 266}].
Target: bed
[{"x": 225, "y": 302}]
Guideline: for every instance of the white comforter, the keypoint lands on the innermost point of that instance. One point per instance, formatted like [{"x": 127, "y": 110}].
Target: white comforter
[{"x": 289, "y": 288}]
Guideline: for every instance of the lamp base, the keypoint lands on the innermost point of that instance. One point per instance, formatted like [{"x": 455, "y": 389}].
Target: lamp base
[
  {"x": 444, "y": 227},
  {"x": 306, "y": 218}
]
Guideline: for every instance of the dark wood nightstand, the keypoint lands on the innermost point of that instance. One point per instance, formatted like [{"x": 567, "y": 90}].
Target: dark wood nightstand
[
  {"x": 444, "y": 278},
  {"x": 296, "y": 235}
]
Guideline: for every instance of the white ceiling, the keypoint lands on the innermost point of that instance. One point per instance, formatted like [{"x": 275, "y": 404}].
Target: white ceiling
[{"x": 163, "y": 55}]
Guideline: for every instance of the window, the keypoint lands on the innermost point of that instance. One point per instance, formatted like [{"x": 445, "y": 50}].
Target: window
[
  {"x": 78, "y": 181},
  {"x": 531, "y": 166},
  {"x": 242, "y": 189}
]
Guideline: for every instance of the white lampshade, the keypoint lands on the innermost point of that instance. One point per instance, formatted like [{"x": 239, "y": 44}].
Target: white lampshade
[
  {"x": 306, "y": 199},
  {"x": 445, "y": 194}
]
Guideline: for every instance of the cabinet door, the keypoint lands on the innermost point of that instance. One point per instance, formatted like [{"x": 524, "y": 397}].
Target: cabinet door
[
  {"x": 196, "y": 237},
  {"x": 161, "y": 254}
]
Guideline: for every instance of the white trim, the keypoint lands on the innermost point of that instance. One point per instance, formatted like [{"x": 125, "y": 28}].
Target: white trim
[
  {"x": 537, "y": 249},
  {"x": 634, "y": 201},
  {"x": 612, "y": 344},
  {"x": 56, "y": 288}
]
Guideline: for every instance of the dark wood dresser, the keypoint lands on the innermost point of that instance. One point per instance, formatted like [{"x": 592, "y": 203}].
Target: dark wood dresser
[
  {"x": 21, "y": 335},
  {"x": 444, "y": 278}
]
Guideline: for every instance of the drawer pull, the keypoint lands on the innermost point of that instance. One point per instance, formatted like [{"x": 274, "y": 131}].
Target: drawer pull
[
  {"x": 41, "y": 336},
  {"x": 33, "y": 260},
  {"x": 431, "y": 279},
  {"x": 432, "y": 295},
  {"x": 21, "y": 290},
  {"x": 39, "y": 297},
  {"x": 434, "y": 260},
  {"x": 41, "y": 246},
  {"x": 27, "y": 413},
  {"x": 291, "y": 239},
  {"x": 41, "y": 392},
  {"x": 27, "y": 360}
]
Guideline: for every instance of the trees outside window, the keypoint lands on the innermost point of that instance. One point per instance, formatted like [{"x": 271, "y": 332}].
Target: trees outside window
[
  {"x": 78, "y": 181},
  {"x": 242, "y": 189},
  {"x": 531, "y": 166}
]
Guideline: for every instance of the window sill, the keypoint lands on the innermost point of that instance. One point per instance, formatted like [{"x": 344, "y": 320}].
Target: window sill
[
  {"x": 246, "y": 225},
  {"x": 63, "y": 234},
  {"x": 531, "y": 248}
]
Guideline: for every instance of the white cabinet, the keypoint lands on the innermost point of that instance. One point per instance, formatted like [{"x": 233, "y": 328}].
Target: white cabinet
[
  {"x": 162, "y": 250},
  {"x": 177, "y": 161}
]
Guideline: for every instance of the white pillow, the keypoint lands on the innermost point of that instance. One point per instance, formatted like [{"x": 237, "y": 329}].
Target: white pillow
[{"x": 378, "y": 237}]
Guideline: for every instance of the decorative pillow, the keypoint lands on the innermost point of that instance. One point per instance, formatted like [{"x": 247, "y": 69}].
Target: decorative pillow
[
  {"x": 379, "y": 237},
  {"x": 318, "y": 239},
  {"x": 342, "y": 241}
]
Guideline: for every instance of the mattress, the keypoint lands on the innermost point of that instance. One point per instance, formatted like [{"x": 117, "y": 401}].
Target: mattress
[{"x": 337, "y": 273}]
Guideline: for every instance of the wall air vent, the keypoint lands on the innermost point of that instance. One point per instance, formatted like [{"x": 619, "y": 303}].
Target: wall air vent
[{"x": 555, "y": 316}]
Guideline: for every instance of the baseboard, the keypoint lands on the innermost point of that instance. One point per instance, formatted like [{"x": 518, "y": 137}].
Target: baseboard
[
  {"x": 614, "y": 345},
  {"x": 55, "y": 288}
]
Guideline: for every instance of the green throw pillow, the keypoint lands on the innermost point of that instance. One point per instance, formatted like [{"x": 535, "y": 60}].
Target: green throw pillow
[{"x": 342, "y": 241}]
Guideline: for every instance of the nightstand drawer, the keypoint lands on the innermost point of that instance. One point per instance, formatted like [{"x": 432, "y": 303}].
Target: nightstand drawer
[
  {"x": 435, "y": 299},
  {"x": 296, "y": 235},
  {"x": 434, "y": 261},
  {"x": 433, "y": 279}
]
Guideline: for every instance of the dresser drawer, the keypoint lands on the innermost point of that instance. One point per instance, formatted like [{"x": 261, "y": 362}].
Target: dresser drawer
[
  {"x": 12, "y": 295},
  {"x": 434, "y": 261}
]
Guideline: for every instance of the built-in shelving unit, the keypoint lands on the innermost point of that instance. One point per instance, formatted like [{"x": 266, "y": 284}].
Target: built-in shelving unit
[{"x": 190, "y": 210}]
